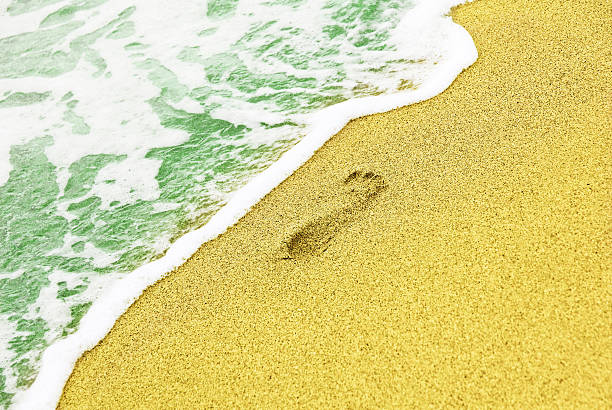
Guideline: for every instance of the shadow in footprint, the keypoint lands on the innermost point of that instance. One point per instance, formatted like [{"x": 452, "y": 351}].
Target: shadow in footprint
[{"x": 357, "y": 191}]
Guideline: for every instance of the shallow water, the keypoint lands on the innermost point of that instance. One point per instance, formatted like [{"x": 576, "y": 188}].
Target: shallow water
[{"x": 129, "y": 123}]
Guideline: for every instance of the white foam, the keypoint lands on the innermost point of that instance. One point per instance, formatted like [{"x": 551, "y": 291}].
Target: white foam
[
  {"x": 8, "y": 329},
  {"x": 459, "y": 53},
  {"x": 134, "y": 179},
  {"x": 50, "y": 308}
]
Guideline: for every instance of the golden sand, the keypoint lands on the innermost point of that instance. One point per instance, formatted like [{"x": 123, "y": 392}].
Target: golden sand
[{"x": 467, "y": 262}]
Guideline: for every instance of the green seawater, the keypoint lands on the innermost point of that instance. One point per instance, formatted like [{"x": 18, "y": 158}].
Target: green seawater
[{"x": 128, "y": 123}]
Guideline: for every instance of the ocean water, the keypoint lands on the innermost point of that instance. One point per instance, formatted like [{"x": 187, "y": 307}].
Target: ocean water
[{"x": 127, "y": 124}]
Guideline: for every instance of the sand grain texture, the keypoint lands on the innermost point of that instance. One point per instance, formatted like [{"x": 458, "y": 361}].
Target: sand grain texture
[{"x": 470, "y": 267}]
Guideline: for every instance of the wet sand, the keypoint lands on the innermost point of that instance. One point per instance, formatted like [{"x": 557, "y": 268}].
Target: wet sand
[{"x": 457, "y": 252}]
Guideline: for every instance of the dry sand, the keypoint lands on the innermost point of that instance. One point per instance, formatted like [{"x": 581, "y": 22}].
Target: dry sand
[{"x": 467, "y": 262}]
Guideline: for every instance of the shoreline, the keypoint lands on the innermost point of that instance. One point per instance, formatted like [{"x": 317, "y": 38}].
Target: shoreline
[
  {"x": 317, "y": 307},
  {"x": 59, "y": 359}
]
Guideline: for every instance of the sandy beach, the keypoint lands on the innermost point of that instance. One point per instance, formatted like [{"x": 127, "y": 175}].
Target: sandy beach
[{"x": 457, "y": 252}]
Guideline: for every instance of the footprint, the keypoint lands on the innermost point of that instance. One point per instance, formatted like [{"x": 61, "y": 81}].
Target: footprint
[{"x": 355, "y": 194}]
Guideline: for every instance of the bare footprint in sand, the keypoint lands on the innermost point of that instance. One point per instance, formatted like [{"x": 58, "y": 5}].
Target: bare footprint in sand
[{"x": 355, "y": 194}]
